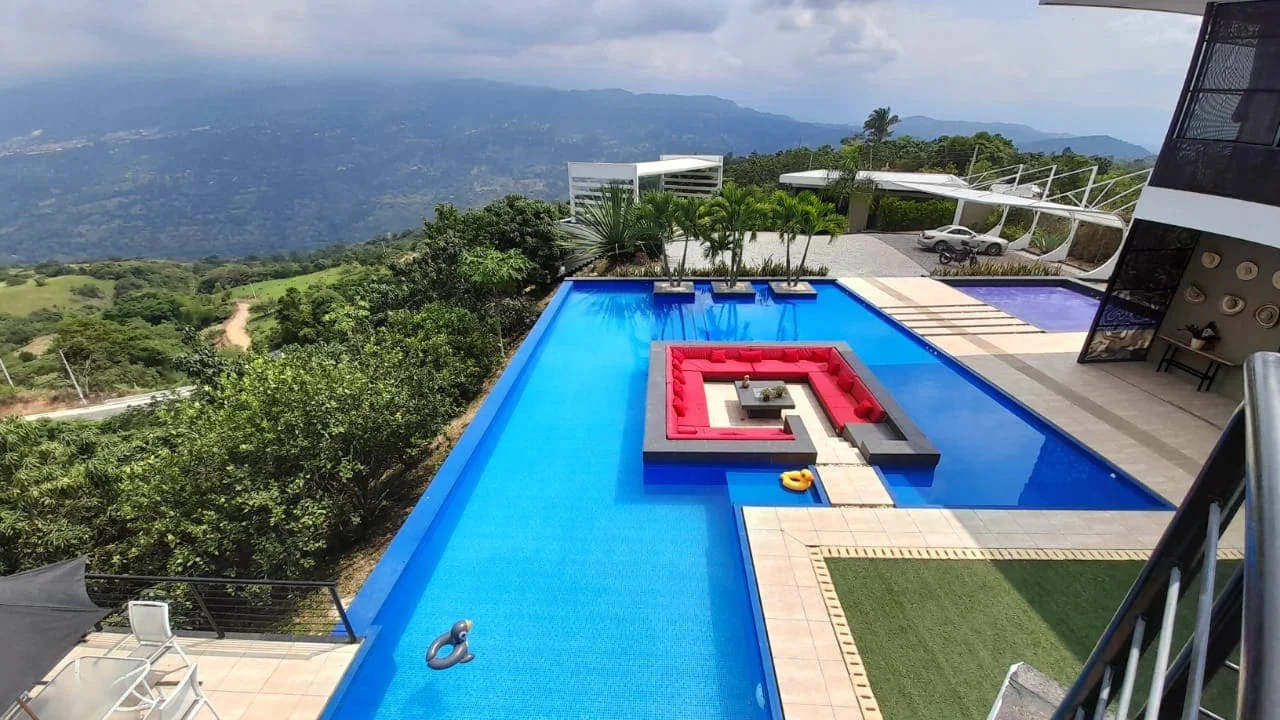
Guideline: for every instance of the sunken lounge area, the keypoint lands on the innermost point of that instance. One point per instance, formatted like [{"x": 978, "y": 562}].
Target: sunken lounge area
[{"x": 678, "y": 426}]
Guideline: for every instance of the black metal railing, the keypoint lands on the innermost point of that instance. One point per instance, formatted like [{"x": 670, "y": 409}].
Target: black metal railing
[
  {"x": 1243, "y": 469},
  {"x": 222, "y": 606},
  {"x": 1215, "y": 167}
]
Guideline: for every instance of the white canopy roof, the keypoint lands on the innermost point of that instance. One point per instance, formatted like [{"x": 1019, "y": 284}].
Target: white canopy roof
[
  {"x": 986, "y": 197},
  {"x": 884, "y": 180},
  {"x": 1189, "y": 7}
]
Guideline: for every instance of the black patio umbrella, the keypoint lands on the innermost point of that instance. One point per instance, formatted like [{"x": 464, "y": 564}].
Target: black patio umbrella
[{"x": 43, "y": 614}]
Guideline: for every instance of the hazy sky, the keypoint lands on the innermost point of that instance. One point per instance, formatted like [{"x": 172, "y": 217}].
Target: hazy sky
[{"x": 1073, "y": 70}]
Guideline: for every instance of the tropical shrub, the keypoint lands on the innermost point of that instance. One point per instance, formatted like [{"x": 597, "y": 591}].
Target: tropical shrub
[
  {"x": 894, "y": 214},
  {"x": 998, "y": 268}
]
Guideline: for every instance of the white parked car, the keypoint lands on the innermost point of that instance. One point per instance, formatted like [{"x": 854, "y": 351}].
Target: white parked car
[{"x": 950, "y": 236}]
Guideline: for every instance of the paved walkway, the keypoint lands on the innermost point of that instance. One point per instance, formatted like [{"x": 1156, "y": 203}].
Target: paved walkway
[{"x": 1149, "y": 424}]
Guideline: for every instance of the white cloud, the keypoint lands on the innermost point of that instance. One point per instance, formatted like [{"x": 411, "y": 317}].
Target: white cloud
[{"x": 1067, "y": 69}]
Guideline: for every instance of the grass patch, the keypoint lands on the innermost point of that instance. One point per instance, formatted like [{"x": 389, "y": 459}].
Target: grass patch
[
  {"x": 938, "y": 636},
  {"x": 29, "y": 297},
  {"x": 273, "y": 289}
]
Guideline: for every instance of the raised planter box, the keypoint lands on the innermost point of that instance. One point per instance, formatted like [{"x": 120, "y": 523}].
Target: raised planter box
[
  {"x": 665, "y": 289},
  {"x": 743, "y": 288},
  {"x": 800, "y": 289}
]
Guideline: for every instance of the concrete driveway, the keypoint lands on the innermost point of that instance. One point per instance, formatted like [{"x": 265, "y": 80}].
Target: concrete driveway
[{"x": 854, "y": 255}]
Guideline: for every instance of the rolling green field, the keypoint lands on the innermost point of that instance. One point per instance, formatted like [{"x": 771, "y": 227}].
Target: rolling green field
[
  {"x": 272, "y": 289},
  {"x": 25, "y": 299}
]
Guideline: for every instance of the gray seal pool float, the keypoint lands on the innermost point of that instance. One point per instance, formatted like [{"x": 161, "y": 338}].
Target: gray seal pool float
[{"x": 458, "y": 653}]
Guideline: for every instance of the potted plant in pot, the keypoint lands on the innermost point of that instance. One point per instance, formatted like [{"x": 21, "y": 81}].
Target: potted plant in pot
[{"x": 1202, "y": 335}]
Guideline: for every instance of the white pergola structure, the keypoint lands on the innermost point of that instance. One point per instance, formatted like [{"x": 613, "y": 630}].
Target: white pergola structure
[
  {"x": 686, "y": 175},
  {"x": 1015, "y": 186},
  {"x": 884, "y": 180}
]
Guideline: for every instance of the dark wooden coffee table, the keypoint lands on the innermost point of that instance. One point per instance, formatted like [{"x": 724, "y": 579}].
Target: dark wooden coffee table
[{"x": 755, "y": 407}]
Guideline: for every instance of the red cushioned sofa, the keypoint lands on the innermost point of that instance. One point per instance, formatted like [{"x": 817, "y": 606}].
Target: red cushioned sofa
[{"x": 842, "y": 394}]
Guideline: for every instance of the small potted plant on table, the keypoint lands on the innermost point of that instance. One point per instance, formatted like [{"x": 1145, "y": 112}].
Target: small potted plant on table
[{"x": 1202, "y": 335}]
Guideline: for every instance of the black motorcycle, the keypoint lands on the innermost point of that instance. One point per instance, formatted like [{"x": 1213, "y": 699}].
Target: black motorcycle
[{"x": 965, "y": 253}]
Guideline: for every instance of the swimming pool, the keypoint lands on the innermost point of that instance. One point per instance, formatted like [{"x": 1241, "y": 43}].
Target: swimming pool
[
  {"x": 595, "y": 594},
  {"x": 1053, "y": 308}
]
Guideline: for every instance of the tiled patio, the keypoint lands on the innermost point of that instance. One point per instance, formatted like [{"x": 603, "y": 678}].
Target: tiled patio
[
  {"x": 246, "y": 679},
  {"x": 1150, "y": 425}
]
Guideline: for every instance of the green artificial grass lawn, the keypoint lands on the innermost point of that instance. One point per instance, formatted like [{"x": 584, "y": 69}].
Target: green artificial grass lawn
[{"x": 938, "y": 636}]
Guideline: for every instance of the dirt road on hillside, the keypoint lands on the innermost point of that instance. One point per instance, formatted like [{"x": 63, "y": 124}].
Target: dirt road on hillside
[{"x": 235, "y": 330}]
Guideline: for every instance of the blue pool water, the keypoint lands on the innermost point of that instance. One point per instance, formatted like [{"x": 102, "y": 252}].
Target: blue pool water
[
  {"x": 596, "y": 594},
  {"x": 1048, "y": 307}
]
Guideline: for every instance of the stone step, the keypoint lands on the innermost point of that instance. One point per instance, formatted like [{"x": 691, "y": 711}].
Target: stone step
[{"x": 1028, "y": 694}]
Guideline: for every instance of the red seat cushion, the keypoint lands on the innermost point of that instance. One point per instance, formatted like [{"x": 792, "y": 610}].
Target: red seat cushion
[
  {"x": 777, "y": 370},
  {"x": 863, "y": 410}
]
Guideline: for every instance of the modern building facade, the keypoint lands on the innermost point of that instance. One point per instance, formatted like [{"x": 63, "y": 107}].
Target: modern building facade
[
  {"x": 687, "y": 175},
  {"x": 1204, "y": 245}
]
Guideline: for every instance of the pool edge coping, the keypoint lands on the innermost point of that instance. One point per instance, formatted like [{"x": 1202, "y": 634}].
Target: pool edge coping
[
  {"x": 377, "y": 587},
  {"x": 770, "y": 678}
]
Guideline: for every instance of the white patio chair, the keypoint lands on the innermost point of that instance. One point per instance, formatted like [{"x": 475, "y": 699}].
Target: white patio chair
[
  {"x": 184, "y": 702},
  {"x": 149, "y": 625}
]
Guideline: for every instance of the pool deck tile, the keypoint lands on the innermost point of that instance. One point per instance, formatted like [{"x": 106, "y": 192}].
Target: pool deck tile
[
  {"x": 245, "y": 679},
  {"x": 1108, "y": 407}
]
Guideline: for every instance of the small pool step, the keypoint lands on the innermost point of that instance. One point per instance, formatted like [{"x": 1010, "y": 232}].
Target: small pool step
[{"x": 764, "y": 487}]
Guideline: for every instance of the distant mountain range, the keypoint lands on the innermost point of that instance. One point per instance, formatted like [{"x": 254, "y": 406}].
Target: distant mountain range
[
  {"x": 100, "y": 167},
  {"x": 1027, "y": 138}
]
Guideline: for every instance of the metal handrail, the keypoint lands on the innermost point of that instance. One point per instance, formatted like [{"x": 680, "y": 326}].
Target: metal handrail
[
  {"x": 1243, "y": 469},
  {"x": 224, "y": 613}
]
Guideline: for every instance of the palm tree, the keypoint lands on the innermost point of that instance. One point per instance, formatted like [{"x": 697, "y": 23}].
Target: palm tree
[
  {"x": 657, "y": 211},
  {"x": 737, "y": 212},
  {"x": 879, "y": 125},
  {"x": 817, "y": 218},
  {"x": 610, "y": 223},
  {"x": 785, "y": 213},
  {"x": 691, "y": 220}
]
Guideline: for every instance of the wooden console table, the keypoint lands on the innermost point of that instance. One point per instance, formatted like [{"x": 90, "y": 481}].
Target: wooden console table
[{"x": 1206, "y": 376}]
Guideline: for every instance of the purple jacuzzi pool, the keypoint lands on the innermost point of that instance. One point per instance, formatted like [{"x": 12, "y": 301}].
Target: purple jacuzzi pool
[{"x": 1052, "y": 308}]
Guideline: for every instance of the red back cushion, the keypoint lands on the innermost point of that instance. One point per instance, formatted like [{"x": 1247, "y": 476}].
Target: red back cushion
[
  {"x": 751, "y": 355},
  {"x": 863, "y": 410},
  {"x": 877, "y": 413},
  {"x": 677, "y": 353},
  {"x": 833, "y": 368},
  {"x": 818, "y": 354},
  {"x": 790, "y": 355},
  {"x": 686, "y": 430},
  {"x": 845, "y": 383},
  {"x": 774, "y": 353},
  {"x": 677, "y": 389},
  {"x": 717, "y": 356},
  {"x": 680, "y": 408}
]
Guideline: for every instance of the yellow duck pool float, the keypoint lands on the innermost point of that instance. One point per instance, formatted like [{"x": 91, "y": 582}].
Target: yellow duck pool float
[{"x": 797, "y": 480}]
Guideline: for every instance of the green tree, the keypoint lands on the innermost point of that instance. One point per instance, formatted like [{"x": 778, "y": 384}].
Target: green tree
[
  {"x": 879, "y": 125},
  {"x": 691, "y": 220},
  {"x": 785, "y": 214},
  {"x": 816, "y": 218},
  {"x": 494, "y": 273},
  {"x": 738, "y": 213},
  {"x": 659, "y": 211}
]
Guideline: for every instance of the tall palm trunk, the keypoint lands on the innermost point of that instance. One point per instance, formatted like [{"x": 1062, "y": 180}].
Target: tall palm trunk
[
  {"x": 788, "y": 242},
  {"x": 684, "y": 255},
  {"x": 803, "y": 257}
]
